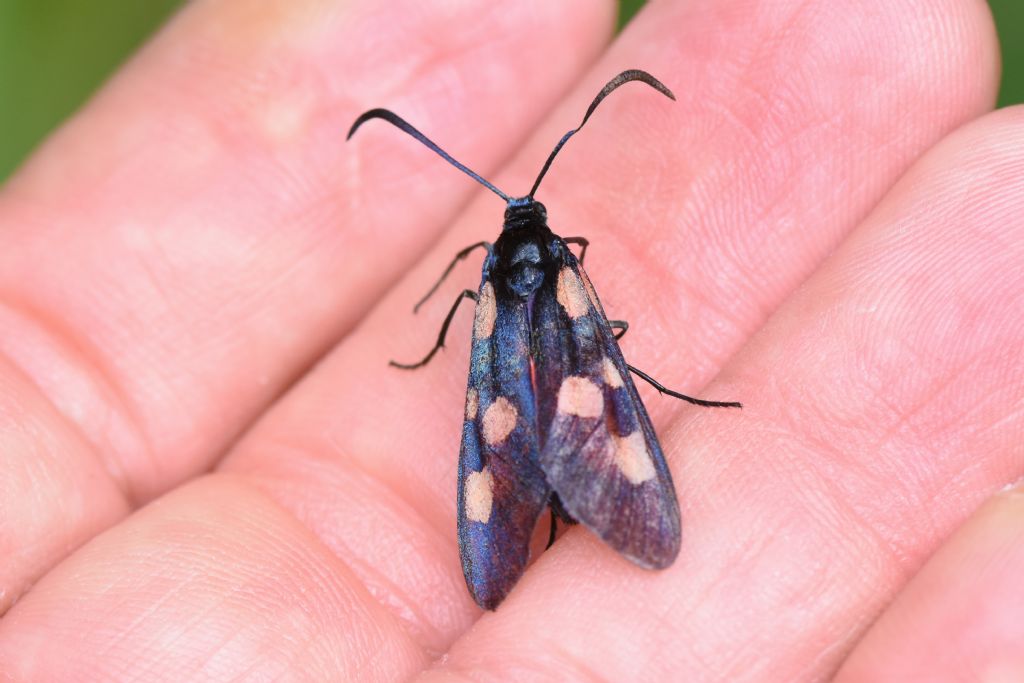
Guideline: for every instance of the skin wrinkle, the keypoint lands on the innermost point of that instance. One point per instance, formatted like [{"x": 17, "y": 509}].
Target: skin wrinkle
[
  {"x": 156, "y": 248},
  {"x": 665, "y": 636},
  {"x": 815, "y": 446},
  {"x": 324, "y": 573},
  {"x": 1010, "y": 416},
  {"x": 386, "y": 490},
  {"x": 366, "y": 658},
  {"x": 965, "y": 473},
  {"x": 823, "y": 455},
  {"x": 851, "y": 514},
  {"x": 753, "y": 84},
  {"x": 292, "y": 654},
  {"x": 802, "y": 596},
  {"x": 895, "y": 434},
  {"x": 392, "y": 486},
  {"x": 524, "y": 666},
  {"x": 574, "y": 662},
  {"x": 152, "y": 667},
  {"x": 355, "y": 468},
  {"x": 154, "y": 257},
  {"x": 85, "y": 363},
  {"x": 951, "y": 489},
  {"x": 838, "y": 643},
  {"x": 258, "y": 666},
  {"x": 675, "y": 279},
  {"x": 181, "y": 587},
  {"x": 387, "y": 594},
  {"x": 443, "y": 51},
  {"x": 34, "y": 475},
  {"x": 904, "y": 424}
]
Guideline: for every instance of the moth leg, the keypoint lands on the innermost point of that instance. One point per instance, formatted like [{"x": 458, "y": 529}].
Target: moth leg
[
  {"x": 458, "y": 257},
  {"x": 558, "y": 511},
  {"x": 621, "y": 325},
  {"x": 582, "y": 241},
  {"x": 689, "y": 399},
  {"x": 466, "y": 294}
]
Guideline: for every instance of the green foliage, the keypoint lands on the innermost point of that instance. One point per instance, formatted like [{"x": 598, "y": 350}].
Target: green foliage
[
  {"x": 54, "y": 53},
  {"x": 627, "y": 8},
  {"x": 1009, "y": 15}
]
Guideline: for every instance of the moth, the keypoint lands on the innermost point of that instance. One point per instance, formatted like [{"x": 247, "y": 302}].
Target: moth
[{"x": 552, "y": 418}]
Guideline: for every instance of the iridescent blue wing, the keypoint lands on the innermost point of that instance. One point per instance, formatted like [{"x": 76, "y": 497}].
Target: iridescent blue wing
[
  {"x": 598, "y": 449},
  {"x": 502, "y": 491}
]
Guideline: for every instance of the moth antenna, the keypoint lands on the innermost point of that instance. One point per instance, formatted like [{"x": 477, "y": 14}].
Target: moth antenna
[
  {"x": 622, "y": 78},
  {"x": 402, "y": 124}
]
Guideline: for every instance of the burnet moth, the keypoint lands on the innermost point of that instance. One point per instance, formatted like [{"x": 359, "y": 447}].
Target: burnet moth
[{"x": 553, "y": 419}]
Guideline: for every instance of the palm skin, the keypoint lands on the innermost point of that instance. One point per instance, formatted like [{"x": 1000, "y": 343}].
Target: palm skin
[{"x": 211, "y": 473}]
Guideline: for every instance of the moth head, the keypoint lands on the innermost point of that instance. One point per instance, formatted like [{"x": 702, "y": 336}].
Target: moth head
[{"x": 521, "y": 212}]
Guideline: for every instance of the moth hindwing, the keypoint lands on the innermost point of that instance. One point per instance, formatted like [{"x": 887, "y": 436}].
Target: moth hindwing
[{"x": 552, "y": 417}]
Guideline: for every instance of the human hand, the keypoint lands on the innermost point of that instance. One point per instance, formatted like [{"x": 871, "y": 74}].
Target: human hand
[{"x": 176, "y": 259}]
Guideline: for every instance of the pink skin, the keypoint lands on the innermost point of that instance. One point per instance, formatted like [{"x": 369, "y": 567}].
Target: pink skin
[
  {"x": 803, "y": 227},
  {"x": 959, "y": 618}
]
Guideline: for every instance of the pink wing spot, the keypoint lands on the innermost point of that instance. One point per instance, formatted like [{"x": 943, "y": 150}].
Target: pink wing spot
[
  {"x": 486, "y": 313},
  {"x": 479, "y": 495},
  {"x": 580, "y": 397},
  {"x": 611, "y": 373},
  {"x": 569, "y": 293},
  {"x": 589, "y": 287},
  {"x": 499, "y": 421},
  {"x": 472, "y": 404},
  {"x": 633, "y": 459}
]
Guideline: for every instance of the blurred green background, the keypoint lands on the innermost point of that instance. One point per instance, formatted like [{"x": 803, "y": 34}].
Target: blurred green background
[{"x": 53, "y": 53}]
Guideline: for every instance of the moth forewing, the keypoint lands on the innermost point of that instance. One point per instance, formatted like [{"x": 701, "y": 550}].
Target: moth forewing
[
  {"x": 599, "y": 451},
  {"x": 501, "y": 492}
]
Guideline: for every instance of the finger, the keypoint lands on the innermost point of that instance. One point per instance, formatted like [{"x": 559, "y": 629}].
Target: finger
[
  {"x": 959, "y": 618},
  {"x": 187, "y": 245},
  {"x": 359, "y": 441},
  {"x": 213, "y": 582},
  {"x": 881, "y": 406}
]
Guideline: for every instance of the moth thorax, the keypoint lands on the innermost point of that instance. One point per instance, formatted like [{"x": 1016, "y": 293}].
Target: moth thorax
[{"x": 526, "y": 272}]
